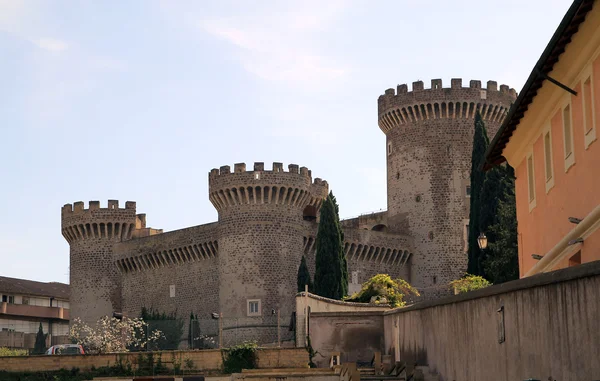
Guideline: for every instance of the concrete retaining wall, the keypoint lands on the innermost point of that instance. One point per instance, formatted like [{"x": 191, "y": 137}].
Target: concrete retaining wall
[{"x": 544, "y": 327}]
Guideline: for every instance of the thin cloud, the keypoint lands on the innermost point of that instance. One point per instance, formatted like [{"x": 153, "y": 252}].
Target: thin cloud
[
  {"x": 283, "y": 46},
  {"x": 51, "y": 44}
]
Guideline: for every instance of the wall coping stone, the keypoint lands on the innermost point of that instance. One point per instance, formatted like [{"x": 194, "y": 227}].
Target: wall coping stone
[
  {"x": 340, "y": 302},
  {"x": 564, "y": 275}
]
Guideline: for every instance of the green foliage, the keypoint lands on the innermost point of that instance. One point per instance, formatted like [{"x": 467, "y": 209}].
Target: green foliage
[
  {"x": 194, "y": 332},
  {"x": 57, "y": 375},
  {"x": 329, "y": 272},
  {"x": 502, "y": 263},
  {"x": 40, "y": 342},
  {"x": 493, "y": 212},
  {"x": 304, "y": 276},
  {"x": 469, "y": 283},
  {"x": 242, "y": 356},
  {"x": 480, "y": 144},
  {"x": 343, "y": 257},
  {"x": 311, "y": 353},
  {"x": 170, "y": 325},
  {"x": 385, "y": 290},
  {"x": 13, "y": 352}
]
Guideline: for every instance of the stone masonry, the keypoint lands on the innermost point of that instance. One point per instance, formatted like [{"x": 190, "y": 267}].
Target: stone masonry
[
  {"x": 268, "y": 219},
  {"x": 429, "y": 139}
]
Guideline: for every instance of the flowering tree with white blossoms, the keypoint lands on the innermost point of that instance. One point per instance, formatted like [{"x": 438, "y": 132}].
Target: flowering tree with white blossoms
[{"x": 113, "y": 335}]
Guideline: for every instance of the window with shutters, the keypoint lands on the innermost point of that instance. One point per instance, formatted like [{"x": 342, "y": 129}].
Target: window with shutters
[
  {"x": 568, "y": 137},
  {"x": 548, "y": 164},
  {"x": 531, "y": 181}
]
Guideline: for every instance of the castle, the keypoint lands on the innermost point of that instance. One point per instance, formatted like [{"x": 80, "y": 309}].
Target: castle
[{"x": 244, "y": 265}]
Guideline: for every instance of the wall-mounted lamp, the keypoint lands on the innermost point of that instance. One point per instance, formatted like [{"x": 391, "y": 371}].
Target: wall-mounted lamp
[
  {"x": 215, "y": 315},
  {"x": 537, "y": 256},
  {"x": 574, "y": 220},
  {"x": 482, "y": 241},
  {"x": 574, "y": 241}
]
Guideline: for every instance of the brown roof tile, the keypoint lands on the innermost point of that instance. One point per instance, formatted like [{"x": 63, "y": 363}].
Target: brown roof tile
[{"x": 33, "y": 288}]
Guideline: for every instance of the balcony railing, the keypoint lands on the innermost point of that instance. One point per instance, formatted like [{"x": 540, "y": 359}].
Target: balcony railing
[{"x": 34, "y": 311}]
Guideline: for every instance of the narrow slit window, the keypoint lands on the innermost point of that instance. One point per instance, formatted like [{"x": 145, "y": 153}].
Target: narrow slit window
[
  {"x": 548, "y": 156},
  {"x": 530, "y": 179},
  {"x": 567, "y": 131},
  {"x": 588, "y": 111}
]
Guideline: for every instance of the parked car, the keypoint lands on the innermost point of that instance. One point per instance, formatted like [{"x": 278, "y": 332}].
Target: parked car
[{"x": 65, "y": 349}]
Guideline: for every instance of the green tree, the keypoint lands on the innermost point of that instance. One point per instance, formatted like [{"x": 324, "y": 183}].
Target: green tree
[
  {"x": 193, "y": 332},
  {"x": 304, "y": 276},
  {"x": 502, "y": 262},
  {"x": 480, "y": 144},
  {"x": 343, "y": 258},
  {"x": 169, "y": 324},
  {"x": 328, "y": 280},
  {"x": 40, "y": 342}
]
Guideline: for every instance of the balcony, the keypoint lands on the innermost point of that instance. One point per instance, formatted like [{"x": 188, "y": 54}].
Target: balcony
[{"x": 58, "y": 313}]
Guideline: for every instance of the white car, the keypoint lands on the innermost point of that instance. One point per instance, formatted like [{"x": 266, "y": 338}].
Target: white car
[{"x": 65, "y": 349}]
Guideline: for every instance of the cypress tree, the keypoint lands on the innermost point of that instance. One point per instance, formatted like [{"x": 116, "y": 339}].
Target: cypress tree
[
  {"x": 193, "y": 331},
  {"x": 40, "y": 342},
  {"x": 502, "y": 262},
  {"x": 304, "y": 276},
  {"x": 343, "y": 257},
  {"x": 480, "y": 144},
  {"x": 328, "y": 264}
]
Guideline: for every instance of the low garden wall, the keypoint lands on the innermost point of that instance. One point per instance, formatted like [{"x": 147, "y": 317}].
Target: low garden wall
[{"x": 203, "y": 360}]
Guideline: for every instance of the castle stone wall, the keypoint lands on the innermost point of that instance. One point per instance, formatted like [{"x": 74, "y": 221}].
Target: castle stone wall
[
  {"x": 171, "y": 272},
  {"x": 91, "y": 234},
  {"x": 368, "y": 253},
  {"x": 429, "y": 134},
  {"x": 261, "y": 225}
]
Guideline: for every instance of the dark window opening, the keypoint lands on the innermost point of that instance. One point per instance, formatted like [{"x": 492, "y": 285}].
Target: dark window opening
[
  {"x": 309, "y": 213},
  {"x": 379, "y": 228}
]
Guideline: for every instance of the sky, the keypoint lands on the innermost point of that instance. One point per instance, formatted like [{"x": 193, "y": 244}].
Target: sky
[{"x": 138, "y": 100}]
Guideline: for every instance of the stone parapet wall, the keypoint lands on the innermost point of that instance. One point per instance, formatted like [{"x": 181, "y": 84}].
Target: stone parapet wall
[
  {"x": 175, "y": 248},
  {"x": 202, "y": 360},
  {"x": 369, "y": 253},
  {"x": 543, "y": 327}
]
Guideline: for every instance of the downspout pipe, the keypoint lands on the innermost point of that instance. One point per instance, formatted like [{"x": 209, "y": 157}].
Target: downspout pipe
[{"x": 584, "y": 229}]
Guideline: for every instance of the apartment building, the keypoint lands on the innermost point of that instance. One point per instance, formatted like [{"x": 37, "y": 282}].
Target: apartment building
[{"x": 25, "y": 304}]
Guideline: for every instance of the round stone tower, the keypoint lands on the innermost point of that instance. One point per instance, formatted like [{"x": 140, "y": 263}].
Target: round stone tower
[
  {"x": 429, "y": 139},
  {"x": 261, "y": 228},
  {"x": 94, "y": 278}
]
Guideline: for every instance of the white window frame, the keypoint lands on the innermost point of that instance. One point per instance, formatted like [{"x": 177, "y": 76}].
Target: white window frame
[
  {"x": 530, "y": 180},
  {"x": 250, "y": 313},
  {"x": 588, "y": 136},
  {"x": 549, "y": 181},
  {"x": 570, "y": 159}
]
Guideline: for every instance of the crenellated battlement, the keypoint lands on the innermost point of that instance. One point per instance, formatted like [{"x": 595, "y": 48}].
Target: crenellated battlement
[
  {"x": 112, "y": 222},
  {"x": 259, "y": 167},
  {"x": 400, "y": 106},
  {"x": 259, "y": 186},
  {"x": 78, "y": 207}
]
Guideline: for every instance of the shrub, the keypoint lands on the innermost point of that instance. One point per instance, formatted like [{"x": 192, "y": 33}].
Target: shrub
[
  {"x": 383, "y": 289},
  {"x": 469, "y": 283},
  {"x": 242, "y": 356},
  {"x": 13, "y": 352}
]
